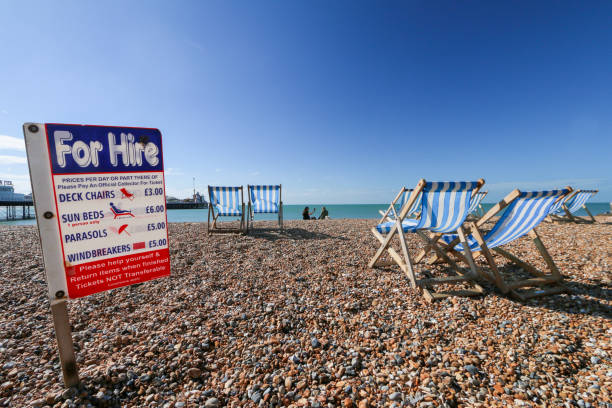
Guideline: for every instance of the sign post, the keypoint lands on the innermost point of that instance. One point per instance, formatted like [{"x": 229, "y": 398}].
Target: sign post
[{"x": 99, "y": 196}]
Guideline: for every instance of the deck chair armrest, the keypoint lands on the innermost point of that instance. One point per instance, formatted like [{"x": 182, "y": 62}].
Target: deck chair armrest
[
  {"x": 392, "y": 206},
  {"x": 481, "y": 183},
  {"x": 498, "y": 207}
]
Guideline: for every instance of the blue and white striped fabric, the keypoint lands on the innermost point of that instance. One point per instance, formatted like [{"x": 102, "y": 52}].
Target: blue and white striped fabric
[
  {"x": 556, "y": 209},
  {"x": 416, "y": 206},
  {"x": 265, "y": 199},
  {"x": 476, "y": 201},
  {"x": 226, "y": 200},
  {"x": 520, "y": 217},
  {"x": 444, "y": 207},
  {"x": 578, "y": 200}
]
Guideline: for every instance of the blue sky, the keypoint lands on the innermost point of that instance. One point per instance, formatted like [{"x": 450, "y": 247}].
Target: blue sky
[{"x": 341, "y": 102}]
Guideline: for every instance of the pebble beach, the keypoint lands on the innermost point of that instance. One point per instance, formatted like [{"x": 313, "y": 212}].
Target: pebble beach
[{"x": 298, "y": 319}]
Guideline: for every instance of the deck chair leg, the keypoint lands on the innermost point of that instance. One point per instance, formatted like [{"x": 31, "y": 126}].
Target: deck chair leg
[
  {"x": 569, "y": 214},
  {"x": 496, "y": 278},
  {"x": 590, "y": 215},
  {"x": 441, "y": 253},
  {"x": 208, "y": 223},
  {"x": 428, "y": 247},
  {"x": 468, "y": 252},
  {"x": 383, "y": 246},
  {"x": 547, "y": 258},
  {"x": 410, "y": 270},
  {"x": 519, "y": 262},
  {"x": 405, "y": 264},
  {"x": 242, "y": 223}
]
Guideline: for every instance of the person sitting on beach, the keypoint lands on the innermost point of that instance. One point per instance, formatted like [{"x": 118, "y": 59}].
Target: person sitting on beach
[
  {"x": 324, "y": 213},
  {"x": 308, "y": 215}
]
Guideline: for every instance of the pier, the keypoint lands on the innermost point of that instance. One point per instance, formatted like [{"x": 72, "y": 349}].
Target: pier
[
  {"x": 185, "y": 205},
  {"x": 10, "y": 208}
]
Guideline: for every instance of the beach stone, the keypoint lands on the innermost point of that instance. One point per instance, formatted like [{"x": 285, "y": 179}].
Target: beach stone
[
  {"x": 211, "y": 403},
  {"x": 396, "y": 396},
  {"x": 471, "y": 369},
  {"x": 38, "y": 403},
  {"x": 194, "y": 372},
  {"x": 256, "y": 397}
]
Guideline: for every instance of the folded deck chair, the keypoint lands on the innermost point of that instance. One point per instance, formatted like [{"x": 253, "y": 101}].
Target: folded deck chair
[
  {"x": 399, "y": 201},
  {"x": 523, "y": 212},
  {"x": 444, "y": 208},
  {"x": 475, "y": 204},
  {"x": 225, "y": 202},
  {"x": 265, "y": 200},
  {"x": 573, "y": 203}
]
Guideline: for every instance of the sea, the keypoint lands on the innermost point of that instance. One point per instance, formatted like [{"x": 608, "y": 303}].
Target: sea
[{"x": 294, "y": 212}]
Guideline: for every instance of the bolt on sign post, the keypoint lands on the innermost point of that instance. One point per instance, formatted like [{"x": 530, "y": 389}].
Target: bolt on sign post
[{"x": 100, "y": 202}]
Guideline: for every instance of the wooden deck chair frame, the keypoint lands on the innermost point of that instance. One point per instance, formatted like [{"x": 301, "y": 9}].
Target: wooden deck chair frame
[
  {"x": 406, "y": 264},
  {"x": 211, "y": 211},
  {"x": 251, "y": 213},
  {"x": 391, "y": 213},
  {"x": 569, "y": 217},
  {"x": 540, "y": 280}
]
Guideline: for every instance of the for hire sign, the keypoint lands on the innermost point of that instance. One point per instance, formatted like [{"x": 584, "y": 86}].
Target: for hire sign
[{"x": 100, "y": 204}]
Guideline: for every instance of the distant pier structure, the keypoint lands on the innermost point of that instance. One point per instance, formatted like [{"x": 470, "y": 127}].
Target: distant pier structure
[
  {"x": 197, "y": 201},
  {"x": 10, "y": 203}
]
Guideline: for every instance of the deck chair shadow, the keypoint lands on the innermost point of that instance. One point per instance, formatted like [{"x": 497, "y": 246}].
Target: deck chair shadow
[
  {"x": 225, "y": 202},
  {"x": 575, "y": 201},
  {"x": 523, "y": 213},
  {"x": 398, "y": 202},
  {"x": 444, "y": 208},
  {"x": 264, "y": 200}
]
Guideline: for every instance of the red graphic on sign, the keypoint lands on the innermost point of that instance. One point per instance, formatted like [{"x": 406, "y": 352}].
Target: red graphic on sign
[
  {"x": 97, "y": 276},
  {"x": 139, "y": 245},
  {"x": 117, "y": 212},
  {"x": 126, "y": 194},
  {"x": 122, "y": 229}
]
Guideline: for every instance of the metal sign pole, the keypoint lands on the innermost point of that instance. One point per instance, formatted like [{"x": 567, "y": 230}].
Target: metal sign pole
[{"x": 63, "y": 335}]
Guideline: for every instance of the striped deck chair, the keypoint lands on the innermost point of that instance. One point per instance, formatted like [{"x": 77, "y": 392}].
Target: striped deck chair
[
  {"x": 523, "y": 212},
  {"x": 475, "y": 204},
  {"x": 398, "y": 202},
  {"x": 265, "y": 200},
  {"x": 444, "y": 208},
  {"x": 225, "y": 202},
  {"x": 573, "y": 203}
]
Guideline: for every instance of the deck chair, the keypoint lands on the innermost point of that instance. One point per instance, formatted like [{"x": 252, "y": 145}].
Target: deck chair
[
  {"x": 475, "y": 204},
  {"x": 573, "y": 203},
  {"x": 444, "y": 208},
  {"x": 265, "y": 200},
  {"x": 398, "y": 202},
  {"x": 225, "y": 202},
  {"x": 523, "y": 212}
]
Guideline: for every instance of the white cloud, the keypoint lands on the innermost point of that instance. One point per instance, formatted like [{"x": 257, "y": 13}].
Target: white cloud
[
  {"x": 4, "y": 112},
  {"x": 218, "y": 170},
  {"x": 11, "y": 143},
  {"x": 172, "y": 171},
  {"x": 255, "y": 173},
  {"x": 5, "y": 159}
]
